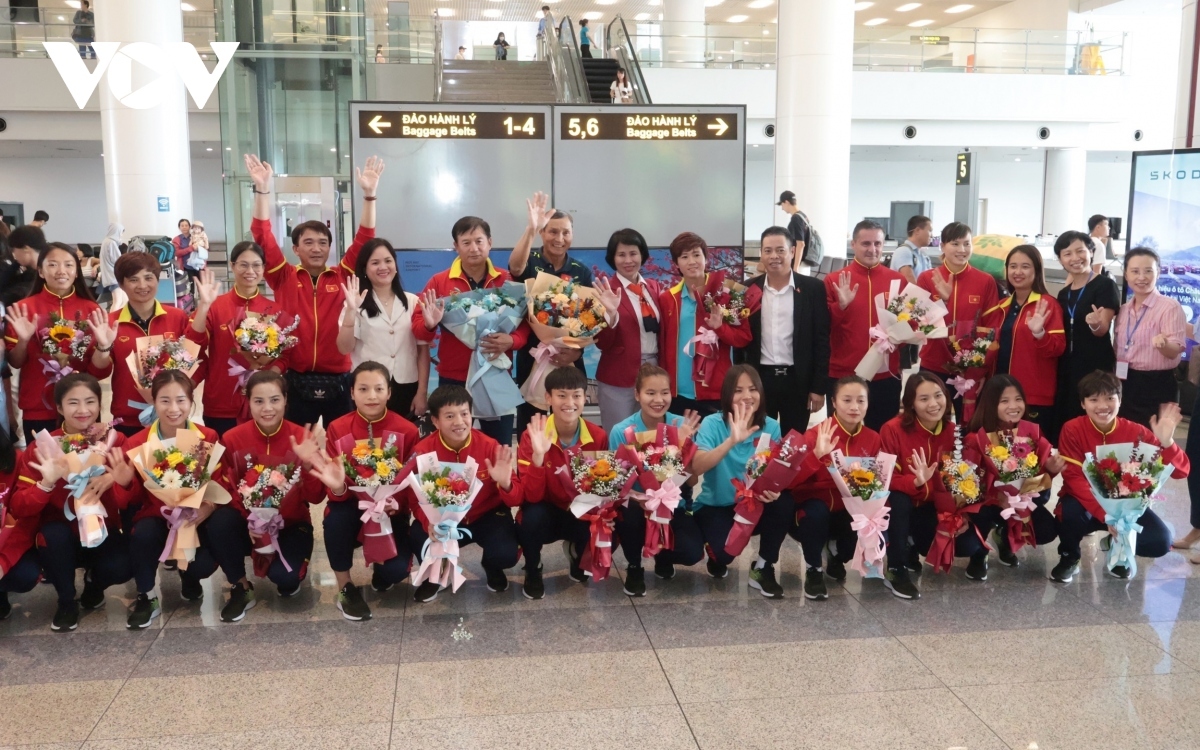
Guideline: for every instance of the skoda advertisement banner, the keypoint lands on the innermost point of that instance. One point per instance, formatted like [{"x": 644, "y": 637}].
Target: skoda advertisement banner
[{"x": 1164, "y": 214}]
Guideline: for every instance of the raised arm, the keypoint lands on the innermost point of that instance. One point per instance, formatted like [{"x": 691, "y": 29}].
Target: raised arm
[{"x": 539, "y": 216}]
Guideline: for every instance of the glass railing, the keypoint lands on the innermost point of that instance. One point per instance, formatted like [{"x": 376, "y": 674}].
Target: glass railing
[
  {"x": 620, "y": 46},
  {"x": 560, "y": 50},
  {"x": 23, "y": 38},
  {"x": 414, "y": 41}
]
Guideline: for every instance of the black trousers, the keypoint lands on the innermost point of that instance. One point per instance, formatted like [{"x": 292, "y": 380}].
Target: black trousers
[
  {"x": 777, "y": 518},
  {"x": 109, "y": 564},
  {"x": 923, "y": 529},
  {"x": 784, "y": 401},
  {"x": 401, "y": 400},
  {"x": 129, "y": 430},
  {"x": 304, "y": 411},
  {"x": 680, "y": 404},
  {"x": 899, "y": 529},
  {"x": 1154, "y": 540},
  {"x": 1144, "y": 391},
  {"x": 1045, "y": 527},
  {"x": 23, "y": 576},
  {"x": 818, "y": 526},
  {"x": 224, "y": 543},
  {"x": 1046, "y": 417},
  {"x": 296, "y": 543},
  {"x": 495, "y": 532},
  {"x": 31, "y": 427},
  {"x": 343, "y": 521},
  {"x": 500, "y": 430},
  {"x": 883, "y": 401},
  {"x": 543, "y": 523},
  {"x": 689, "y": 542},
  {"x": 221, "y": 424}
]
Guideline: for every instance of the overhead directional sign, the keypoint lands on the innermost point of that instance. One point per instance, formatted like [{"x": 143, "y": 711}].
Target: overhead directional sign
[
  {"x": 438, "y": 124},
  {"x": 649, "y": 126}
]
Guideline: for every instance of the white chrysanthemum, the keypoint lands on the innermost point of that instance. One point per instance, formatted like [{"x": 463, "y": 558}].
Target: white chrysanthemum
[
  {"x": 171, "y": 480},
  {"x": 428, "y": 488}
]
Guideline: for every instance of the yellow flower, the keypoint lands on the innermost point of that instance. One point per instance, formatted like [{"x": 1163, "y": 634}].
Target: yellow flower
[
  {"x": 383, "y": 469},
  {"x": 999, "y": 452},
  {"x": 862, "y": 477},
  {"x": 903, "y": 317},
  {"x": 442, "y": 482},
  {"x": 1031, "y": 460},
  {"x": 272, "y": 338},
  {"x": 259, "y": 467},
  {"x": 969, "y": 488},
  {"x": 156, "y": 472},
  {"x": 361, "y": 451},
  {"x": 62, "y": 332},
  {"x": 240, "y": 332},
  {"x": 377, "y": 453},
  {"x": 173, "y": 458}
]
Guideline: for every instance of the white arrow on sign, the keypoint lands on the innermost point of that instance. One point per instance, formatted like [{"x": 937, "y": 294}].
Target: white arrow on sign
[
  {"x": 720, "y": 126},
  {"x": 375, "y": 124}
]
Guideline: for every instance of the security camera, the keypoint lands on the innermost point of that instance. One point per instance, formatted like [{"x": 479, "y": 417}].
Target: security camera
[
  {"x": 769, "y": 131},
  {"x": 1137, "y": 134},
  {"x": 4, "y": 125},
  {"x": 1043, "y": 132},
  {"x": 910, "y": 132}
]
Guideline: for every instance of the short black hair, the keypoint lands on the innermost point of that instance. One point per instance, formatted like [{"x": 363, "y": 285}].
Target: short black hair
[
  {"x": 72, "y": 381},
  {"x": 246, "y": 246},
  {"x": 470, "y": 224},
  {"x": 370, "y": 366},
  {"x": 311, "y": 226},
  {"x": 866, "y": 225},
  {"x": 918, "y": 221},
  {"x": 1099, "y": 383},
  {"x": 1095, "y": 221},
  {"x": 626, "y": 237},
  {"x": 448, "y": 395},
  {"x": 1068, "y": 238},
  {"x": 266, "y": 377},
  {"x": 955, "y": 230},
  {"x": 41, "y": 216},
  {"x": 777, "y": 232},
  {"x": 28, "y": 236},
  {"x": 189, "y": 222},
  {"x": 1142, "y": 250},
  {"x": 569, "y": 378},
  {"x": 729, "y": 390},
  {"x": 849, "y": 380}
]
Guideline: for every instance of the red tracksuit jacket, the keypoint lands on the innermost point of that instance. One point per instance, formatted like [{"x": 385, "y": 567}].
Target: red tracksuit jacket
[
  {"x": 481, "y": 448},
  {"x": 849, "y": 328},
  {"x": 902, "y": 441},
  {"x": 974, "y": 293},
  {"x": 356, "y": 424},
  {"x": 814, "y": 479},
  {"x": 222, "y": 397},
  {"x": 1080, "y": 436},
  {"x": 669, "y": 336},
  {"x": 249, "y": 440},
  {"x": 33, "y": 397},
  {"x": 169, "y": 322},
  {"x": 30, "y": 501},
  {"x": 1034, "y": 362},
  {"x": 17, "y": 535},
  {"x": 136, "y": 494},
  {"x": 319, "y": 304},
  {"x": 539, "y": 482}
]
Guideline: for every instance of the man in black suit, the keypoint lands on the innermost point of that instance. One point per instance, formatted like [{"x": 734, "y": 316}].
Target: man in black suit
[{"x": 790, "y": 348}]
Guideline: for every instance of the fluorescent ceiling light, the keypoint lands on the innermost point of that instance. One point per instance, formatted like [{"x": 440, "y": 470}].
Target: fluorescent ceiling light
[
  {"x": 736, "y": 19},
  {"x": 875, "y": 22},
  {"x": 445, "y": 11},
  {"x": 761, "y": 3},
  {"x": 75, "y": 4},
  {"x": 922, "y": 22},
  {"x": 606, "y": 2},
  {"x": 593, "y": 15},
  {"x": 208, "y": 149},
  {"x": 862, "y": 6},
  {"x": 907, "y": 7},
  {"x": 642, "y": 17},
  {"x": 187, "y": 6},
  {"x": 492, "y": 13},
  {"x": 959, "y": 8}
]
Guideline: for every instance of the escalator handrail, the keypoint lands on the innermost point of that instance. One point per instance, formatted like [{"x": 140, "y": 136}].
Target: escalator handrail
[
  {"x": 627, "y": 55},
  {"x": 438, "y": 61},
  {"x": 570, "y": 44}
]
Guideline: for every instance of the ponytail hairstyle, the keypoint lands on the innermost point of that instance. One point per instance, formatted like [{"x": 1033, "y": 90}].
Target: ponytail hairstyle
[{"x": 81, "y": 288}]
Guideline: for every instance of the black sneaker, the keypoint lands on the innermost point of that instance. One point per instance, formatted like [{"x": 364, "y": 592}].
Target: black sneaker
[
  {"x": 241, "y": 600},
  {"x": 575, "y": 571},
  {"x": 664, "y": 569},
  {"x": 497, "y": 581},
  {"x": 92, "y": 596},
  {"x": 426, "y": 592},
  {"x": 763, "y": 579},
  {"x": 1004, "y": 549},
  {"x": 377, "y": 583},
  {"x": 914, "y": 561},
  {"x": 1066, "y": 569},
  {"x": 534, "y": 587},
  {"x": 835, "y": 569},
  {"x": 635, "y": 581},
  {"x": 814, "y": 585},
  {"x": 143, "y": 613},
  {"x": 190, "y": 589},
  {"x": 716, "y": 569},
  {"x": 1119, "y": 571},
  {"x": 977, "y": 567},
  {"x": 352, "y": 605},
  {"x": 66, "y": 617},
  {"x": 289, "y": 593},
  {"x": 171, "y": 565},
  {"x": 900, "y": 585},
  {"x": 5, "y": 606}
]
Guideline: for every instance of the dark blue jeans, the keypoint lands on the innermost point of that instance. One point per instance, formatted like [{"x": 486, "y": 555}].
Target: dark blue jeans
[
  {"x": 495, "y": 532},
  {"x": 23, "y": 576},
  {"x": 1154, "y": 540},
  {"x": 343, "y": 520},
  {"x": 777, "y": 519},
  {"x": 224, "y": 543},
  {"x": 689, "y": 542},
  {"x": 818, "y": 526},
  {"x": 109, "y": 564}
]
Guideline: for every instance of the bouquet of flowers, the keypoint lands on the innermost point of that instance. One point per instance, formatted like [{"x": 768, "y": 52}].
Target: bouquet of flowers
[
  {"x": 737, "y": 302},
  {"x": 1014, "y": 457},
  {"x": 598, "y": 480},
  {"x": 961, "y": 480},
  {"x": 150, "y": 356},
  {"x": 445, "y": 493},
  {"x": 264, "y": 485},
  {"x": 906, "y": 316},
  {"x": 65, "y": 341},
  {"x": 178, "y": 472},
  {"x": 85, "y": 456},
  {"x": 471, "y": 316},
  {"x": 375, "y": 470},
  {"x": 863, "y": 483},
  {"x": 563, "y": 315},
  {"x": 772, "y": 468},
  {"x": 660, "y": 458},
  {"x": 264, "y": 337},
  {"x": 1124, "y": 478},
  {"x": 969, "y": 361}
]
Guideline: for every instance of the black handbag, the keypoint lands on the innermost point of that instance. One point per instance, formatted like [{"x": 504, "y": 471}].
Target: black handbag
[{"x": 317, "y": 386}]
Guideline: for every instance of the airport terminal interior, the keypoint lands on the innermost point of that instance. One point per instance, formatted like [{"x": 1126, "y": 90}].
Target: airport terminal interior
[{"x": 835, "y": 225}]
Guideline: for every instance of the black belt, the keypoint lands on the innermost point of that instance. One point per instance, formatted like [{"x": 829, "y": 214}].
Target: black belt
[{"x": 779, "y": 371}]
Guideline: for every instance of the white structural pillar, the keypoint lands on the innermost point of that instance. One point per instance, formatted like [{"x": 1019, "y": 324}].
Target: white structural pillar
[
  {"x": 812, "y": 113},
  {"x": 144, "y": 118},
  {"x": 1062, "y": 195},
  {"x": 1187, "y": 103},
  {"x": 683, "y": 32}
]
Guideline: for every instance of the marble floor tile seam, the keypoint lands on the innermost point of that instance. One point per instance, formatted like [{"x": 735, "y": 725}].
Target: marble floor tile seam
[
  {"x": 124, "y": 681},
  {"x": 1191, "y": 665},
  {"x": 662, "y": 668},
  {"x": 399, "y": 657}
]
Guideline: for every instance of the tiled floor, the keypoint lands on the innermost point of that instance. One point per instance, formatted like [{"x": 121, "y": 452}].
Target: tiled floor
[{"x": 1016, "y": 662}]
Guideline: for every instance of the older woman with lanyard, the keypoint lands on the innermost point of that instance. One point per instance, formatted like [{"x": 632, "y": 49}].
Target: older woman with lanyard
[
  {"x": 1150, "y": 335},
  {"x": 1029, "y": 331},
  {"x": 1089, "y": 302}
]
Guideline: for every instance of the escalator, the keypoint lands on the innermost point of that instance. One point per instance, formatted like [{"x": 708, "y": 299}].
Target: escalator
[{"x": 622, "y": 52}]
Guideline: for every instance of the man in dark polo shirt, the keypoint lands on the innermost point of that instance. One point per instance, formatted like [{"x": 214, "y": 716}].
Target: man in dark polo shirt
[{"x": 554, "y": 228}]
